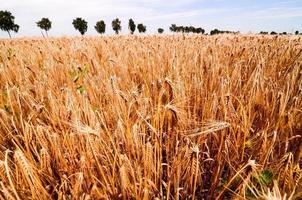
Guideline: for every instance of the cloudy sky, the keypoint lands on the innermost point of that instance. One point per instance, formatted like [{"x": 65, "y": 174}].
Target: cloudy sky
[{"x": 237, "y": 15}]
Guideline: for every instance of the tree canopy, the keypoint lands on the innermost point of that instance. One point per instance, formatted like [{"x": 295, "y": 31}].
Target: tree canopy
[
  {"x": 116, "y": 25},
  {"x": 44, "y": 24},
  {"x": 131, "y": 26},
  {"x": 100, "y": 27},
  {"x": 186, "y": 29},
  {"x": 273, "y": 33},
  {"x": 216, "y": 31},
  {"x": 141, "y": 28},
  {"x": 160, "y": 30},
  {"x": 173, "y": 28},
  {"x": 80, "y": 25},
  {"x": 7, "y": 22}
]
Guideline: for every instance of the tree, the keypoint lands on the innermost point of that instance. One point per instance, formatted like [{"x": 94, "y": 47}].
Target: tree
[
  {"x": 297, "y": 33},
  {"x": 273, "y": 33},
  {"x": 100, "y": 27},
  {"x": 199, "y": 30},
  {"x": 131, "y": 26},
  {"x": 116, "y": 25},
  {"x": 173, "y": 28},
  {"x": 180, "y": 29},
  {"x": 44, "y": 24},
  {"x": 141, "y": 28},
  {"x": 80, "y": 25},
  {"x": 7, "y": 22},
  {"x": 214, "y": 32},
  {"x": 186, "y": 29},
  {"x": 160, "y": 30}
]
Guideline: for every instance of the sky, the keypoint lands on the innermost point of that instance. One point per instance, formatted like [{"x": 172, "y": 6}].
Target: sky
[{"x": 236, "y": 15}]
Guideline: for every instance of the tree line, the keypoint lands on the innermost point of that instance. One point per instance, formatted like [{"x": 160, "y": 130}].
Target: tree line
[
  {"x": 7, "y": 23},
  {"x": 186, "y": 29}
]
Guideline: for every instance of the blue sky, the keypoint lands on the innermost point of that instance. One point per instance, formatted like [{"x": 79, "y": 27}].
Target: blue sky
[{"x": 244, "y": 15}]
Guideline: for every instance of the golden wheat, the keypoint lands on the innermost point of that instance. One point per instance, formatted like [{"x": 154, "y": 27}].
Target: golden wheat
[{"x": 156, "y": 117}]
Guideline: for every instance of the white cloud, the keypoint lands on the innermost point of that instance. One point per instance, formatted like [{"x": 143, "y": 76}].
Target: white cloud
[{"x": 274, "y": 13}]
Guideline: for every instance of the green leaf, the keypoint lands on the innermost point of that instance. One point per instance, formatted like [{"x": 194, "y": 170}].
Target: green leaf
[
  {"x": 265, "y": 177},
  {"x": 81, "y": 89},
  {"x": 249, "y": 193}
]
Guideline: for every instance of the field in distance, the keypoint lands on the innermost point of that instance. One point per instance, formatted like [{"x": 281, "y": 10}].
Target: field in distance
[{"x": 155, "y": 117}]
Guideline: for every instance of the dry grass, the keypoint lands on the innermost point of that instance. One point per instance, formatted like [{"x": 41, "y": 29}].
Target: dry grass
[{"x": 171, "y": 117}]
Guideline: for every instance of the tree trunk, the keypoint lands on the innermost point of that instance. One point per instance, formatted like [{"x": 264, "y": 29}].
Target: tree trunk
[
  {"x": 9, "y": 35},
  {"x": 46, "y": 33}
]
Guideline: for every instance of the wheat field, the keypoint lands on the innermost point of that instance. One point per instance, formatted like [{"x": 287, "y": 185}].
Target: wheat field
[{"x": 151, "y": 117}]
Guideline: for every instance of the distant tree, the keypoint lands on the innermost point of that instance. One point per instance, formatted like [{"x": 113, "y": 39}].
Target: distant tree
[
  {"x": 284, "y": 33},
  {"x": 297, "y": 33},
  {"x": 180, "y": 29},
  {"x": 7, "y": 22},
  {"x": 141, "y": 28},
  {"x": 273, "y": 33},
  {"x": 131, "y": 26},
  {"x": 80, "y": 25},
  {"x": 116, "y": 25},
  {"x": 173, "y": 28},
  {"x": 160, "y": 30},
  {"x": 186, "y": 29},
  {"x": 191, "y": 29},
  {"x": 199, "y": 30},
  {"x": 214, "y": 32},
  {"x": 100, "y": 27},
  {"x": 44, "y": 24},
  {"x": 263, "y": 33}
]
